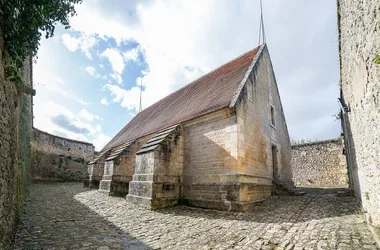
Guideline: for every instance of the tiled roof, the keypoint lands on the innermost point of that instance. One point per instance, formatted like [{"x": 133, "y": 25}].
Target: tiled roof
[
  {"x": 97, "y": 157},
  {"x": 157, "y": 139},
  {"x": 120, "y": 149},
  {"x": 208, "y": 93}
]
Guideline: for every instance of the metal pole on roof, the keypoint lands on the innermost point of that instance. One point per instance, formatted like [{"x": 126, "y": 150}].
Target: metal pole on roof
[
  {"x": 140, "y": 108},
  {"x": 261, "y": 30}
]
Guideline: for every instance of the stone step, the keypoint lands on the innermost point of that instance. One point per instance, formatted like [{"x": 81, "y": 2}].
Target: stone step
[
  {"x": 345, "y": 193},
  {"x": 297, "y": 192}
]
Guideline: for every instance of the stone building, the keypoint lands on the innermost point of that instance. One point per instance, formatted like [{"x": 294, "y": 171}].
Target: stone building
[
  {"x": 359, "y": 40},
  {"x": 219, "y": 142}
]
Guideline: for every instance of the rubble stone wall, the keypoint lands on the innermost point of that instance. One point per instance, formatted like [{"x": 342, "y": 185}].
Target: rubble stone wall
[
  {"x": 8, "y": 159},
  {"x": 56, "y": 158},
  {"x": 62, "y": 146},
  {"x": 359, "y": 37},
  {"x": 320, "y": 164},
  {"x": 15, "y": 129}
]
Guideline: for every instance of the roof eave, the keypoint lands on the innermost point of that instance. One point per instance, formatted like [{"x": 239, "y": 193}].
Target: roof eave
[{"x": 244, "y": 80}]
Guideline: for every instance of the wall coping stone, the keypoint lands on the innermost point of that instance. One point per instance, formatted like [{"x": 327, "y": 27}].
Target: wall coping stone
[
  {"x": 60, "y": 137},
  {"x": 336, "y": 140}
]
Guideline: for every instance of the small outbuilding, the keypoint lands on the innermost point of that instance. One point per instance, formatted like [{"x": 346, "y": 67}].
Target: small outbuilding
[{"x": 219, "y": 142}]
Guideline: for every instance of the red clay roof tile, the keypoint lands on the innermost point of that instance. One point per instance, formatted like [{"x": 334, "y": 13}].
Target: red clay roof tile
[{"x": 208, "y": 93}]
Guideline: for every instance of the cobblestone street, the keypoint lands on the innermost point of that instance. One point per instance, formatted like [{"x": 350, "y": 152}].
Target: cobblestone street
[{"x": 68, "y": 216}]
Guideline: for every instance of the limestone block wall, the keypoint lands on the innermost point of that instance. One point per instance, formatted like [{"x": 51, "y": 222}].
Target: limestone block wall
[
  {"x": 320, "y": 164},
  {"x": 359, "y": 37},
  {"x": 62, "y": 146},
  {"x": 123, "y": 168},
  {"x": 56, "y": 158},
  {"x": 157, "y": 177},
  {"x": 96, "y": 170},
  {"x": 210, "y": 160},
  {"x": 264, "y": 151},
  {"x": 169, "y": 171}
]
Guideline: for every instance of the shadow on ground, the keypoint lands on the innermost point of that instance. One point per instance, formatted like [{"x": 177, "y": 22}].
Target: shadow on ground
[{"x": 53, "y": 219}]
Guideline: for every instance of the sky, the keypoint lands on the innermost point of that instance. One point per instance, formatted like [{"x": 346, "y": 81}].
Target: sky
[{"x": 88, "y": 77}]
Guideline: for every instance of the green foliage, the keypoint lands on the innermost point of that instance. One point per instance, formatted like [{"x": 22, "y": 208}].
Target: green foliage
[
  {"x": 300, "y": 141},
  {"x": 366, "y": 196},
  {"x": 376, "y": 59},
  {"x": 80, "y": 160},
  {"x": 338, "y": 116},
  {"x": 22, "y": 23}
]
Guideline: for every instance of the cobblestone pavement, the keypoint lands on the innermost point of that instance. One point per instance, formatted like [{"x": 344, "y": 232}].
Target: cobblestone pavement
[{"x": 67, "y": 216}]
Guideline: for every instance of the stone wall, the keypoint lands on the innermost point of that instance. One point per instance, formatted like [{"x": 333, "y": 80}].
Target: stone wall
[
  {"x": 116, "y": 181},
  {"x": 52, "y": 167},
  {"x": 62, "y": 146},
  {"x": 56, "y": 158},
  {"x": 158, "y": 171},
  {"x": 359, "y": 36},
  {"x": 210, "y": 160},
  {"x": 15, "y": 129},
  {"x": 8, "y": 158},
  {"x": 264, "y": 150},
  {"x": 319, "y": 164}
]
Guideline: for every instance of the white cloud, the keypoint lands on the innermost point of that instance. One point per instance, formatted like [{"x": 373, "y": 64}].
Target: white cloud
[
  {"x": 71, "y": 43},
  {"x": 47, "y": 81},
  {"x": 81, "y": 101},
  {"x": 104, "y": 101},
  {"x": 84, "y": 114},
  {"x": 132, "y": 55},
  {"x": 128, "y": 99},
  {"x": 100, "y": 141},
  {"x": 180, "y": 41},
  {"x": 116, "y": 77},
  {"x": 57, "y": 119},
  {"x": 115, "y": 58},
  {"x": 84, "y": 43},
  {"x": 98, "y": 128},
  {"x": 92, "y": 21},
  {"x": 174, "y": 55},
  {"x": 92, "y": 71},
  {"x": 54, "y": 118}
]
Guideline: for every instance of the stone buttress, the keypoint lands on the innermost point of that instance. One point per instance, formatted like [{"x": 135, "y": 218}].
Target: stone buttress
[
  {"x": 159, "y": 168},
  {"x": 95, "y": 169},
  {"x": 118, "y": 170}
]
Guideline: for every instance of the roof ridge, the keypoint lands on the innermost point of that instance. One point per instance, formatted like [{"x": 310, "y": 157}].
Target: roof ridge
[
  {"x": 216, "y": 69},
  {"x": 194, "y": 98},
  {"x": 244, "y": 80},
  {"x": 205, "y": 75}
]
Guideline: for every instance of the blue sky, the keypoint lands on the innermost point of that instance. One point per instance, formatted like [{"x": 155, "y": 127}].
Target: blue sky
[{"x": 87, "y": 77}]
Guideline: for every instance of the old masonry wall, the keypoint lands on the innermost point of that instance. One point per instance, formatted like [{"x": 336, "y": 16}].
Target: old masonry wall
[
  {"x": 320, "y": 164},
  {"x": 55, "y": 158},
  {"x": 15, "y": 128},
  {"x": 359, "y": 37}
]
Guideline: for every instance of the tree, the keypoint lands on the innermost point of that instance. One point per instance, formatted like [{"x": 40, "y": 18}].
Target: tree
[{"x": 22, "y": 23}]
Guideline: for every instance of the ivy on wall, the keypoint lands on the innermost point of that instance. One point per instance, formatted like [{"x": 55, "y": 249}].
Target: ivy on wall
[{"x": 22, "y": 23}]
